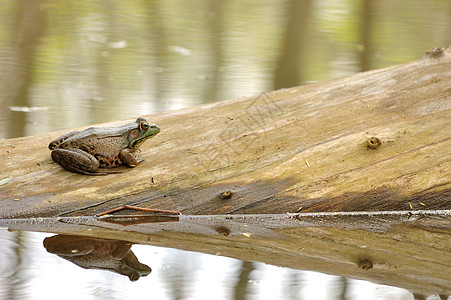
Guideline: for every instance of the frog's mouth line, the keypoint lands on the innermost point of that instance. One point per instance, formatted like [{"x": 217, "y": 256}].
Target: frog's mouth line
[{"x": 137, "y": 143}]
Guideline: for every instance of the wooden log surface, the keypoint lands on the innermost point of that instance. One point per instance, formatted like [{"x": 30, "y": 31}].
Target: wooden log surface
[{"x": 300, "y": 149}]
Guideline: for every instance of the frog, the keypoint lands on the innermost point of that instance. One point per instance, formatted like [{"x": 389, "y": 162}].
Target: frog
[{"x": 94, "y": 150}]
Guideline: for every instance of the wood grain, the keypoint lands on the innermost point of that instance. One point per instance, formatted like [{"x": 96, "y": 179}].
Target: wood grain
[{"x": 298, "y": 149}]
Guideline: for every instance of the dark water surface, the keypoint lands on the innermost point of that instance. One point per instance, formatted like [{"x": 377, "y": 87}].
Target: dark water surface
[{"x": 66, "y": 64}]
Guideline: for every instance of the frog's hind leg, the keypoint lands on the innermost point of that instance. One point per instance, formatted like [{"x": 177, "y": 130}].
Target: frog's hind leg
[
  {"x": 53, "y": 144},
  {"x": 77, "y": 161}
]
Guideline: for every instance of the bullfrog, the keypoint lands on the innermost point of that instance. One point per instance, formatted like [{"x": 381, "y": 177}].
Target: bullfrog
[{"x": 86, "y": 151}]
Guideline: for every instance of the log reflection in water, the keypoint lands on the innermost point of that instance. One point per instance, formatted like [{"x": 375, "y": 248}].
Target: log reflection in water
[{"x": 407, "y": 249}]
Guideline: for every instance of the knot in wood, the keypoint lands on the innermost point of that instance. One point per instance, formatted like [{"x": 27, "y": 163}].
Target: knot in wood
[
  {"x": 226, "y": 195},
  {"x": 365, "y": 264},
  {"x": 373, "y": 143}
]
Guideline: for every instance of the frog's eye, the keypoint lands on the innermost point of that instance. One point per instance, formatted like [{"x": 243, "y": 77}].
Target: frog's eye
[{"x": 144, "y": 126}]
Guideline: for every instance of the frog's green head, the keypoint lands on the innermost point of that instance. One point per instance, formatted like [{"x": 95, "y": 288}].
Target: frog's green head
[{"x": 142, "y": 132}]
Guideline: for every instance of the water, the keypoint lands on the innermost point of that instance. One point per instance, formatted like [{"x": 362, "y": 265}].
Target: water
[
  {"x": 28, "y": 271},
  {"x": 66, "y": 64},
  {"x": 415, "y": 246}
]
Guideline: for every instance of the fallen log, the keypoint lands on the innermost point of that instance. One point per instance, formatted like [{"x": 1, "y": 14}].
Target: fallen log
[{"x": 377, "y": 140}]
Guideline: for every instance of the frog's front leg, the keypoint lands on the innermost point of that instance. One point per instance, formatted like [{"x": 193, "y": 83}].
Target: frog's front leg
[
  {"x": 78, "y": 161},
  {"x": 128, "y": 158}
]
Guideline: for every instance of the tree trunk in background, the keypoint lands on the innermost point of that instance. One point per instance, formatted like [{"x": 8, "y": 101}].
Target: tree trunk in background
[
  {"x": 366, "y": 35},
  {"x": 29, "y": 20},
  {"x": 289, "y": 69},
  {"x": 216, "y": 32},
  {"x": 243, "y": 280}
]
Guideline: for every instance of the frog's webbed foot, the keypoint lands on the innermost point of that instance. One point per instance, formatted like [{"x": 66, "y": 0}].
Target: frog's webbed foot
[{"x": 77, "y": 161}]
